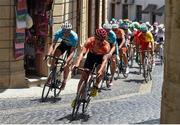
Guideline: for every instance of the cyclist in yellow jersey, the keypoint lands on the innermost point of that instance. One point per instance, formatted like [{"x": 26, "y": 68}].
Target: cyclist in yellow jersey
[{"x": 146, "y": 40}]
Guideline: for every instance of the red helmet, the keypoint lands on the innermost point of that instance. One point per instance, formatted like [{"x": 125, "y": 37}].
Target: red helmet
[{"x": 101, "y": 33}]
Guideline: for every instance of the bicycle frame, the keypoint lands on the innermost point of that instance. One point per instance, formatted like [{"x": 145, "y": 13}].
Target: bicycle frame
[{"x": 53, "y": 78}]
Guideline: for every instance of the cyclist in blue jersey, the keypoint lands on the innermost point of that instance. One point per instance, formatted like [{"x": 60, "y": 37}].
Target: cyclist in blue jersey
[
  {"x": 111, "y": 38},
  {"x": 68, "y": 40}
]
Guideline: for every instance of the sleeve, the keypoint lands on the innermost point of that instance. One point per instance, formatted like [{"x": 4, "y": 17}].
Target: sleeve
[
  {"x": 75, "y": 40},
  {"x": 114, "y": 38},
  {"x": 151, "y": 37},
  {"x": 88, "y": 43},
  {"x": 58, "y": 35}
]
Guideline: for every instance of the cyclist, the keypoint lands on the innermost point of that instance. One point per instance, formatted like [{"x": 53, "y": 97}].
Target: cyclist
[
  {"x": 121, "y": 44},
  {"x": 154, "y": 31},
  {"x": 146, "y": 41},
  {"x": 68, "y": 41},
  {"x": 127, "y": 31},
  {"x": 160, "y": 40},
  {"x": 135, "y": 39},
  {"x": 111, "y": 38},
  {"x": 96, "y": 47},
  {"x": 150, "y": 28}
]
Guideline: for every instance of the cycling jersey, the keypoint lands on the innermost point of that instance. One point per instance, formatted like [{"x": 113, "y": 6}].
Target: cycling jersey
[
  {"x": 71, "y": 40},
  {"x": 94, "y": 47},
  {"x": 146, "y": 37},
  {"x": 120, "y": 35},
  {"x": 111, "y": 37},
  {"x": 113, "y": 40}
]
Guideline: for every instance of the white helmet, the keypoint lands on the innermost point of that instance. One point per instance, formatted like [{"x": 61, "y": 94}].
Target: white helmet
[
  {"x": 161, "y": 26},
  {"x": 66, "y": 26},
  {"x": 107, "y": 26},
  {"x": 115, "y": 26},
  {"x": 148, "y": 24}
]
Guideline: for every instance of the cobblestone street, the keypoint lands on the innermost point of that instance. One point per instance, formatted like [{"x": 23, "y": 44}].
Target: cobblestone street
[{"x": 125, "y": 103}]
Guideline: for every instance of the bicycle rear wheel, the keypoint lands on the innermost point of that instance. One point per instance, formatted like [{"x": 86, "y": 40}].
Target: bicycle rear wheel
[
  {"x": 58, "y": 82},
  {"x": 147, "y": 71},
  {"x": 124, "y": 70},
  {"x": 117, "y": 73},
  {"x": 131, "y": 57},
  {"x": 57, "y": 89}
]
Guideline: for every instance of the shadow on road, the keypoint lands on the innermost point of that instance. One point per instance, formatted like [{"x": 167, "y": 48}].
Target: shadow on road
[
  {"x": 138, "y": 81},
  {"x": 153, "y": 121},
  {"x": 2, "y": 90},
  {"x": 80, "y": 116},
  {"x": 51, "y": 99}
]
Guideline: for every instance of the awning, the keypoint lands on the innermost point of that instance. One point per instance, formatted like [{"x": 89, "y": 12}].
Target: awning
[
  {"x": 160, "y": 11},
  {"x": 150, "y": 8}
]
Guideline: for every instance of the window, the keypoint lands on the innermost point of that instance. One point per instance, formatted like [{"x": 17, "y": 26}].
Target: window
[
  {"x": 139, "y": 12},
  {"x": 125, "y": 11}
]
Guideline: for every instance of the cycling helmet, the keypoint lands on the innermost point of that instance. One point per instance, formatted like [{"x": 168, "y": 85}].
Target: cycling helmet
[
  {"x": 126, "y": 20},
  {"x": 143, "y": 28},
  {"x": 101, "y": 33},
  {"x": 107, "y": 26},
  {"x": 115, "y": 26},
  {"x": 136, "y": 25},
  {"x": 161, "y": 26},
  {"x": 155, "y": 24},
  {"x": 131, "y": 27},
  {"x": 124, "y": 26},
  {"x": 113, "y": 21},
  {"x": 66, "y": 26}
]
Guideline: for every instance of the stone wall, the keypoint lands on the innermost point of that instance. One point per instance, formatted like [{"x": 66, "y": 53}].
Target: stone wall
[{"x": 11, "y": 71}]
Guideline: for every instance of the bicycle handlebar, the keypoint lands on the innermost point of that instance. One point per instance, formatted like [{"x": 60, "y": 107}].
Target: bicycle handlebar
[
  {"x": 140, "y": 51},
  {"x": 56, "y": 58},
  {"x": 86, "y": 70}
]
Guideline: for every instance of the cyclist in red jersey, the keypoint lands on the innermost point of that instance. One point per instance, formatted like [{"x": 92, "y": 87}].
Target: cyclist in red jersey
[{"x": 96, "y": 47}]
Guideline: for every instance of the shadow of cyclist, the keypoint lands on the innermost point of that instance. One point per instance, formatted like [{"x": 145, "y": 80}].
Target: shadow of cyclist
[
  {"x": 80, "y": 116},
  {"x": 51, "y": 99}
]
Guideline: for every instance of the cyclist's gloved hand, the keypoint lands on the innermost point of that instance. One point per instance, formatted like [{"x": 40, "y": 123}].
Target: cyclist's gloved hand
[{"x": 74, "y": 69}]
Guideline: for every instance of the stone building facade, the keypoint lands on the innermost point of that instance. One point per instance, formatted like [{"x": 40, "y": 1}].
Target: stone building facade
[{"x": 145, "y": 10}]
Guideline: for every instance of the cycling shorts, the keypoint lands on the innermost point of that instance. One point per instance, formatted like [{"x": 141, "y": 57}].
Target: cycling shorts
[
  {"x": 92, "y": 59},
  {"x": 63, "y": 47}
]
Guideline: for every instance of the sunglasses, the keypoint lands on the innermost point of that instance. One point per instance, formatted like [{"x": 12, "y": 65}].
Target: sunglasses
[{"x": 66, "y": 30}]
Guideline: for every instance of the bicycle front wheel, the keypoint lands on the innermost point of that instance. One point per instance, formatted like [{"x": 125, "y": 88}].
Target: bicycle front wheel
[
  {"x": 76, "y": 107},
  {"x": 47, "y": 87}
]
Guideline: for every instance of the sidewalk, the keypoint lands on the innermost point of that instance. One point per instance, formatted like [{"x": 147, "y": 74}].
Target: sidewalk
[{"x": 35, "y": 91}]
